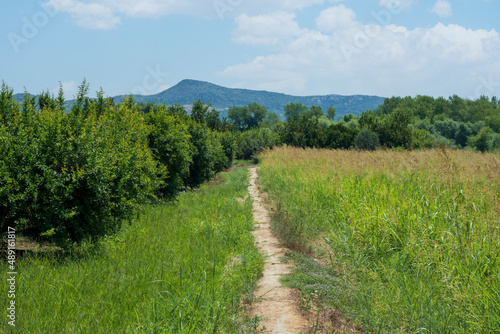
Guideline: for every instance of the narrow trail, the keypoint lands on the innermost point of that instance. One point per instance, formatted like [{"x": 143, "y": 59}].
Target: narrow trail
[{"x": 275, "y": 305}]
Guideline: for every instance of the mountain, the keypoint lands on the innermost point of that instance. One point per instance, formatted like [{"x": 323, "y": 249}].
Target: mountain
[
  {"x": 221, "y": 98},
  {"x": 20, "y": 97}
]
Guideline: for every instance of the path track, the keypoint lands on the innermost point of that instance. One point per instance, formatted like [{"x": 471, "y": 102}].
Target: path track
[{"x": 275, "y": 304}]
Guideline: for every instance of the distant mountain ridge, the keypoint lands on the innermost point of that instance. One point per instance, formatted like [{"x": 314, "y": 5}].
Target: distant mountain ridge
[{"x": 222, "y": 98}]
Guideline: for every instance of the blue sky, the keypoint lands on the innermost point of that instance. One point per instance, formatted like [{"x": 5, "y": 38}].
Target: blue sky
[{"x": 301, "y": 47}]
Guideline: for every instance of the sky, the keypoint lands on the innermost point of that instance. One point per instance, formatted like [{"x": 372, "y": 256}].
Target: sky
[{"x": 302, "y": 47}]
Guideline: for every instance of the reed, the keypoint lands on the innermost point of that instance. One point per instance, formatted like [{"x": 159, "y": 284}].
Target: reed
[{"x": 414, "y": 235}]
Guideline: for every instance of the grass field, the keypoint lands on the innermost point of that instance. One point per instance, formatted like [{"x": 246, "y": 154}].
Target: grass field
[
  {"x": 180, "y": 268},
  {"x": 410, "y": 240}
]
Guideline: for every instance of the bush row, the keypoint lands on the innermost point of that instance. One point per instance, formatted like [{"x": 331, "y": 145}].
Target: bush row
[{"x": 70, "y": 176}]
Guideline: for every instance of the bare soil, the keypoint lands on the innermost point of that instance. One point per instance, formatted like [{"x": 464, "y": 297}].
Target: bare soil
[{"x": 275, "y": 304}]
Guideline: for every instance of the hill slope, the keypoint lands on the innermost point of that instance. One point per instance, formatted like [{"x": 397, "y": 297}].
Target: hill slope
[{"x": 186, "y": 91}]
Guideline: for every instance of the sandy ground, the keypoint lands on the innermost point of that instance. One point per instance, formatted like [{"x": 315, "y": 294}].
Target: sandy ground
[{"x": 274, "y": 303}]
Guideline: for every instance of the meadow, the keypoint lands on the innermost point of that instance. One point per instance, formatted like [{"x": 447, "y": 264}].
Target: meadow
[
  {"x": 181, "y": 267},
  {"x": 408, "y": 241}
]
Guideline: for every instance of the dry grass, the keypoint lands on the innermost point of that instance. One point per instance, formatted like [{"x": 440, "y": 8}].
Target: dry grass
[{"x": 415, "y": 235}]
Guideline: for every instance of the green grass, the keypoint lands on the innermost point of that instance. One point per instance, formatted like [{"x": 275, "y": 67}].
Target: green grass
[
  {"x": 183, "y": 267},
  {"x": 413, "y": 237}
]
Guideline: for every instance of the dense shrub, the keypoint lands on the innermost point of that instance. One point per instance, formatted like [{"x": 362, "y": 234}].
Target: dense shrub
[
  {"x": 339, "y": 136},
  {"x": 67, "y": 177},
  {"x": 301, "y": 131},
  {"x": 366, "y": 140},
  {"x": 219, "y": 158},
  {"x": 495, "y": 141},
  {"x": 203, "y": 164},
  {"x": 481, "y": 141},
  {"x": 170, "y": 142},
  {"x": 421, "y": 139},
  {"x": 228, "y": 142},
  {"x": 251, "y": 142}
]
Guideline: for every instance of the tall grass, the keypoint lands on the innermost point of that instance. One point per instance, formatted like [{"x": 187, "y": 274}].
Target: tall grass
[
  {"x": 415, "y": 236},
  {"x": 181, "y": 268}
]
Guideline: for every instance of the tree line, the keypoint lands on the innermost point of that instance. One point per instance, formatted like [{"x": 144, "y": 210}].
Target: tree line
[
  {"x": 419, "y": 122},
  {"x": 74, "y": 174}
]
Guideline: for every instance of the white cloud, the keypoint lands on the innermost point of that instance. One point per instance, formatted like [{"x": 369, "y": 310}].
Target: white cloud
[
  {"x": 371, "y": 59},
  {"x": 106, "y": 14},
  {"x": 458, "y": 44},
  {"x": 442, "y": 8},
  {"x": 396, "y": 5},
  {"x": 266, "y": 29},
  {"x": 87, "y": 15},
  {"x": 335, "y": 17}
]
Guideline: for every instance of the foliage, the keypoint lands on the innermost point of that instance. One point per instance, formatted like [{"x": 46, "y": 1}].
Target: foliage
[
  {"x": 205, "y": 150},
  {"x": 394, "y": 130},
  {"x": 247, "y": 117},
  {"x": 481, "y": 141},
  {"x": 170, "y": 142},
  {"x": 271, "y": 121},
  {"x": 228, "y": 142},
  {"x": 252, "y": 142},
  {"x": 495, "y": 141},
  {"x": 70, "y": 176},
  {"x": 331, "y": 112},
  {"x": 366, "y": 140},
  {"x": 422, "y": 139},
  {"x": 294, "y": 110},
  {"x": 339, "y": 136},
  {"x": 78, "y": 175}
]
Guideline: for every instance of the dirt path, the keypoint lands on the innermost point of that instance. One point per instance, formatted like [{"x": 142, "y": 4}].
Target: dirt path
[{"x": 275, "y": 304}]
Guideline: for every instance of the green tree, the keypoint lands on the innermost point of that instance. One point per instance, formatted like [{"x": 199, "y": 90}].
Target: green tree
[
  {"x": 422, "y": 139},
  {"x": 170, "y": 142},
  {"x": 177, "y": 110},
  {"x": 461, "y": 135},
  {"x": 369, "y": 120},
  {"x": 339, "y": 136},
  {"x": 294, "y": 110},
  {"x": 247, "y": 117},
  {"x": 270, "y": 121},
  {"x": 366, "y": 140},
  {"x": 240, "y": 116},
  {"x": 330, "y": 112},
  {"x": 258, "y": 113},
  {"x": 70, "y": 177},
  {"x": 481, "y": 141},
  {"x": 314, "y": 111},
  {"x": 394, "y": 130},
  {"x": 199, "y": 111}
]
